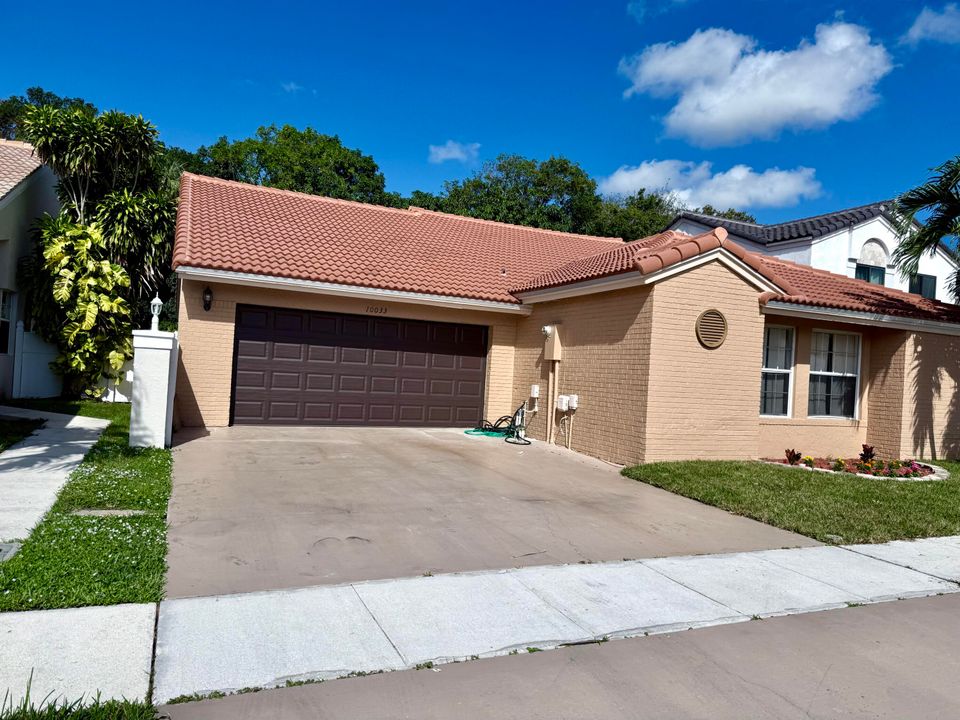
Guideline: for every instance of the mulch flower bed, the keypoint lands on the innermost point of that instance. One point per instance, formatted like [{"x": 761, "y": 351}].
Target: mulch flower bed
[{"x": 875, "y": 467}]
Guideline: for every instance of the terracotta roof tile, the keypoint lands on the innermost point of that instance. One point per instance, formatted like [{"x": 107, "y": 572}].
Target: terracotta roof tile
[
  {"x": 233, "y": 226},
  {"x": 224, "y": 225},
  {"x": 810, "y": 286},
  {"x": 17, "y": 162}
]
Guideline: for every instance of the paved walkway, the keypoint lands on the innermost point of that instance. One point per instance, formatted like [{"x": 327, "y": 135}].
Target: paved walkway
[
  {"x": 77, "y": 652},
  {"x": 33, "y": 471},
  {"x": 264, "y": 639}
]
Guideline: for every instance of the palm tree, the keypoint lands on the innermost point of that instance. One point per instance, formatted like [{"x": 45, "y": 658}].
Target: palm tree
[{"x": 940, "y": 197}]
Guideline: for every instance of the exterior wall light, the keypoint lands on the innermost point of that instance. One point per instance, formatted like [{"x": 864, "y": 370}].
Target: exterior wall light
[
  {"x": 156, "y": 305},
  {"x": 547, "y": 330},
  {"x": 207, "y": 299}
]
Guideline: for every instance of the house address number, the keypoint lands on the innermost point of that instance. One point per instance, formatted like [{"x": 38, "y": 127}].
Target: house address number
[{"x": 377, "y": 309}]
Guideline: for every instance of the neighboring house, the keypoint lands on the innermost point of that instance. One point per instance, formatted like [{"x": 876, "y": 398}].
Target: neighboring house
[
  {"x": 27, "y": 191},
  {"x": 297, "y": 309},
  {"x": 858, "y": 242}
]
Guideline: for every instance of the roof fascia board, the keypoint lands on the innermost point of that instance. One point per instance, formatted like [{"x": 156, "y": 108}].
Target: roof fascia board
[
  {"x": 632, "y": 278},
  {"x": 364, "y": 293},
  {"x": 855, "y": 317}
]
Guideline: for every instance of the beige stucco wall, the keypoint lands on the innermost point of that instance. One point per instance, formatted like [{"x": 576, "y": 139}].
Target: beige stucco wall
[
  {"x": 931, "y": 420},
  {"x": 821, "y": 437},
  {"x": 704, "y": 403},
  {"x": 605, "y": 339},
  {"x": 206, "y": 343}
]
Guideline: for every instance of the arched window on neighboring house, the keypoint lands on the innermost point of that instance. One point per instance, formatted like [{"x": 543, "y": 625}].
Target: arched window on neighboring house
[{"x": 872, "y": 264}]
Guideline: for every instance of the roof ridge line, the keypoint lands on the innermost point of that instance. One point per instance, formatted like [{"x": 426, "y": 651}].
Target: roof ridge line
[
  {"x": 829, "y": 214},
  {"x": 295, "y": 193}
]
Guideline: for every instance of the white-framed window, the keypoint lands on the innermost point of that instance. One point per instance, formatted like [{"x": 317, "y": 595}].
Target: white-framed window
[
  {"x": 834, "y": 374},
  {"x": 6, "y": 320},
  {"x": 776, "y": 377}
]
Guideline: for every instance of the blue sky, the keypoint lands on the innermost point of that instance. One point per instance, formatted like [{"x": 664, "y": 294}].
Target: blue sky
[{"x": 785, "y": 108}]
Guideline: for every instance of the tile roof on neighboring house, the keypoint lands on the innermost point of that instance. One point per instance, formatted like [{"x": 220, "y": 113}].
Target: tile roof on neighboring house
[
  {"x": 804, "y": 228},
  {"x": 17, "y": 162},
  {"x": 224, "y": 225}
]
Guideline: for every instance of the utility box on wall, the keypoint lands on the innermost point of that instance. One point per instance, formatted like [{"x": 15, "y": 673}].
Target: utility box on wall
[{"x": 552, "y": 349}]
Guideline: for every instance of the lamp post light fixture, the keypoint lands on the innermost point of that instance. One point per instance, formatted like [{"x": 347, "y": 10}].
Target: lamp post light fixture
[
  {"x": 156, "y": 305},
  {"x": 207, "y": 299}
]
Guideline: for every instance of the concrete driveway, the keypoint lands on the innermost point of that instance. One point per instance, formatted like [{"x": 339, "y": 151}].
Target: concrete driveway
[{"x": 268, "y": 508}]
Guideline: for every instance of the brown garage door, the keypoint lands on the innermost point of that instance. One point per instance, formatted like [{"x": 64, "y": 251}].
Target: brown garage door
[{"x": 297, "y": 367}]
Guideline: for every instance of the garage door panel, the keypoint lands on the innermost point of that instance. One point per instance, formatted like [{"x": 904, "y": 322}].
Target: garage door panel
[
  {"x": 322, "y": 353},
  {"x": 320, "y": 381},
  {"x": 350, "y": 412},
  {"x": 441, "y": 387},
  {"x": 386, "y": 358},
  {"x": 467, "y": 362},
  {"x": 252, "y": 349},
  {"x": 285, "y": 380},
  {"x": 380, "y": 371},
  {"x": 318, "y": 411},
  {"x": 287, "y": 351},
  {"x": 354, "y": 356},
  {"x": 413, "y": 386},
  {"x": 283, "y": 410},
  {"x": 352, "y": 383},
  {"x": 414, "y": 359},
  {"x": 254, "y": 379},
  {"x": 444, "y": 362},
  {"x": 386, "y": 385}
]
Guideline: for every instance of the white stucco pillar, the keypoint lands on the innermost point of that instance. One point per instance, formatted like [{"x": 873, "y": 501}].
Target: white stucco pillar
[{"x": 154, "y": 383}]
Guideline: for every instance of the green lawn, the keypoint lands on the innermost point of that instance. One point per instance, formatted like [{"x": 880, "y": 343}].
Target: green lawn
[
  {"x": 13, "y": 430},
  {"x": 831, "y": 508},
  {"x": 71, "y": 560},
  {"x": 110, "y": 710}
]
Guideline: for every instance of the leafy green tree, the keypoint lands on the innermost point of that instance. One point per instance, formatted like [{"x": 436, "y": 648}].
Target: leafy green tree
[
  {"x": 13, "y": 108},
  {"x": 728, "y": 214},
  {"x": 292, "y": 159},
  {"x": 938, "y": 200},
  {"x": 555, "y": 194},
  {"x": 636, "y": 216},
  {"x": 108, "y": 249}
]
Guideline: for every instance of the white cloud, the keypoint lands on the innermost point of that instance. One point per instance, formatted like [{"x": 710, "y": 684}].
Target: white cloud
[
  {"x": 695, "y": 184},
  {"x": 938, "y": 26},
  {"x": 453, "y": 150},
  {"x": 729, "y": 91},
  {"x": 291, "y": 87}
]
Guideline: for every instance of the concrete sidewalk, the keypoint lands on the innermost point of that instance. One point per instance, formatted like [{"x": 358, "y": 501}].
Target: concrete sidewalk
[
  {"x": 77, "y": 653},
  {"x": 33, "y": 471},
  {"x": 266, "y": 639},
  {"x": 892, "y": 660}
]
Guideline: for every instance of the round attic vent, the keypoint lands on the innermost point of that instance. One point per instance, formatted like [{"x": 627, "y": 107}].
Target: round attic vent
[{"x": 711, "y": 329}]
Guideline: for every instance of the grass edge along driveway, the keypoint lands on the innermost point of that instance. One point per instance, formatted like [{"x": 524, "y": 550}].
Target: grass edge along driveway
[
  {"x": 13, "y": 430},
  {"x": 831, "y": 508},
  {"x": 73, "y": 560}
]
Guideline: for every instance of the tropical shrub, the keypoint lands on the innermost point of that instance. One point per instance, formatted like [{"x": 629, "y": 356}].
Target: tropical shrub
[
  {"x": 94, "y": 337},
  {"x": 793, "y": 457}
]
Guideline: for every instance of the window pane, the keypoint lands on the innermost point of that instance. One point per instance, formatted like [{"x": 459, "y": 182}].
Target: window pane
[
  {"x": 925, "y": 285},
  {"x": 871, "y": 273},
  {"x": 820, "y": 352},
  {"x": 4, "y": 337},
  {"x": 778, "y": 348},
  {"x": 774, "y": 393},
  {"x": 4, "y": 305},
  {"x": 832, "y": 396}
]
